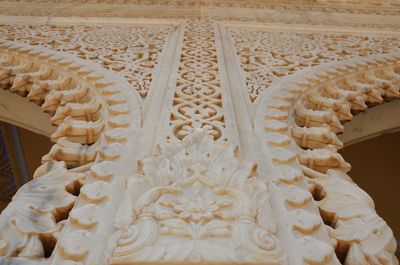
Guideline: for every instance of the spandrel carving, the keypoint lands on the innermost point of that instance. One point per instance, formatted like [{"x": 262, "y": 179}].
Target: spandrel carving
[
  {"x": 131, "y": 51},
  {"x": 266, "y": 55}
]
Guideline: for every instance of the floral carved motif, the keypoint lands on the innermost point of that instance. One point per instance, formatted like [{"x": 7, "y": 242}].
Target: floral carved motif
[
  {"x": 196, "y": 202},
  {"x": 31, "y": 223},
  {"x": 198, "y": 101},
  {"x": 266, "y": 56},
  {"x": 131, "y": 51}
]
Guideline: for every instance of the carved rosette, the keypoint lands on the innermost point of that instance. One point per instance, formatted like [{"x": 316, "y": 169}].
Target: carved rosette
[{"x": 196, "y": 202}]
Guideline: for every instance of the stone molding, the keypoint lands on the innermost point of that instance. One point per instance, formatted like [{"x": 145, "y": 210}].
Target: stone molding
[{"x": 370, "y": 14}]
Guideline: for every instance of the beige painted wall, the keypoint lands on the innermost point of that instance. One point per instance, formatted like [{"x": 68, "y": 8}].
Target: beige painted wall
[
  {"x": 376, "y": 169},
  {"x": 34, "y": 147}
]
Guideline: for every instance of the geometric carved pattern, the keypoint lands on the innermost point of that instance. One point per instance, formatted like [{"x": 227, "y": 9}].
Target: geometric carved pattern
[
  {"x": 131, "y": 51},
  {"x": 197, "y": 101},
  {"x": 266, "y": 56}
]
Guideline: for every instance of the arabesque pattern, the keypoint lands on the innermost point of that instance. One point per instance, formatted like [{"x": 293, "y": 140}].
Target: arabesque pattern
[
  {"x": 197, "y": 101},
  {"x": 266, "y": 55}
]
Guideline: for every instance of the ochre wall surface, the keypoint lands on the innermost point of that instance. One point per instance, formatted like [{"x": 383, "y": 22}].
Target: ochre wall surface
[
  {"x": 375, "y": 168},
  {"x": 34, "y": 146}
]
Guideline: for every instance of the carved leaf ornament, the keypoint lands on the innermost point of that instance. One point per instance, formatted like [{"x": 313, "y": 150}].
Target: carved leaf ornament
[{"x": 196, "y": 202}]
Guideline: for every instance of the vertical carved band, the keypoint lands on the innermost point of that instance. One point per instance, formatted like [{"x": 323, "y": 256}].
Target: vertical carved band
[{"x": 197, "y": 100}]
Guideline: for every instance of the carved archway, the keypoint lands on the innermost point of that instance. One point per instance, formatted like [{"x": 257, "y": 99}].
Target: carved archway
[
  {"x": 299, "y": 118},
  {"x": 373, "y": 122},
  {"x": 94, "y": 111},
  {"x": 97, "y": 115}
]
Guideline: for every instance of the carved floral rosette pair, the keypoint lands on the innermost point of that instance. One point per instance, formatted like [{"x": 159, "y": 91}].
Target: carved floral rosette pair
[{"x": 215, "y": 187}]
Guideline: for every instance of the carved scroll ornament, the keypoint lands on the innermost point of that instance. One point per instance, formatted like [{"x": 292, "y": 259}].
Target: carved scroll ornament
[{"x": 196, "y": 202}]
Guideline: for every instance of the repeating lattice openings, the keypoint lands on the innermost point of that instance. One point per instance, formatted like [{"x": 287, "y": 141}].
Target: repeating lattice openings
[{"x": 197, "y": 100}]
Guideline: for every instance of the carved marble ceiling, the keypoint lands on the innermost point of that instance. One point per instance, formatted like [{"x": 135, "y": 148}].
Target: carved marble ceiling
[{"x": 197, "y": 131}]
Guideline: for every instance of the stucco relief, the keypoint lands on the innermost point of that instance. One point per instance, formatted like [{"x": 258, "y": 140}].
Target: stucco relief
[
  {"x": 314, "y": 103},
  {"x": 94, "y": 104}
]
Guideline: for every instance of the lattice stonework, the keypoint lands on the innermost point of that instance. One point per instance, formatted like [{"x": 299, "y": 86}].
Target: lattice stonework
[
  {"x": 159, "y": 155},
  {"x": 266, "y": 55},
  {"x": 131, "y": 51},
  {"x": 197, "y": 101}
]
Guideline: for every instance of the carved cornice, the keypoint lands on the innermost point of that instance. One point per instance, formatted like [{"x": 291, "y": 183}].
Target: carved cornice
[
  {"x": 364, "y": 7},
  {"x": 370, "y": 14}
]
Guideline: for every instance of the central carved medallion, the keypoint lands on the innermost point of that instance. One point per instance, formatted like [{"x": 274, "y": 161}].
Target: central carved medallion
[{"x": 196, "y": 202}]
